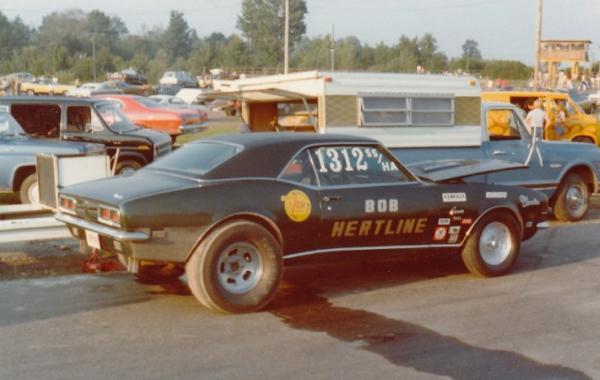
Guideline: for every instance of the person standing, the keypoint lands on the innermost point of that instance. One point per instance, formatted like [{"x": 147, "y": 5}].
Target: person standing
[{"x": 537, "y": 120}]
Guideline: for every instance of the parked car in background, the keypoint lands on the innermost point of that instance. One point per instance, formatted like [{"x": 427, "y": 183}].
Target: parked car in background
[
  {"x": 170, "y": 101},
  {"x": 166, "y": 89},
  {"x": 44, "y": 86},
  {"x": 90, "y": 89},
  {"x": 178, "y": 78},
  {"x": 88, "y": 120},
  {"x": 18, "y": 152},
  {"x": 148, "y": 113},
  {"x": 228, "y": 212},
  {"x": 129, "y": 89},
  {"x": 579, "y": 127}
]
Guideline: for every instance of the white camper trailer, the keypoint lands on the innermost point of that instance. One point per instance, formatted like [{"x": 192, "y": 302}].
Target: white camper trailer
[{"x": 404, "y": 110}]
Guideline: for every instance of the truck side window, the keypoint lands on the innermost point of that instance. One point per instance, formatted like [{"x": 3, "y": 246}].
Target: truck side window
[
  {"x": 502, "y": 125},
  {"x": 78, "y": 118},
  {"x": 39, "y": 120}
]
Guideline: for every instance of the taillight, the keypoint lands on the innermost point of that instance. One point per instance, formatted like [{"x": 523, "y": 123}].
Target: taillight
[
  {"x": 109, "y": 215},
  {"x": 67, "y": 204}
]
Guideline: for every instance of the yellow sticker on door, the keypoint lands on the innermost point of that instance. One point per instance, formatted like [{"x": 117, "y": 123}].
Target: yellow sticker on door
[{"x": 297, "y": 205}]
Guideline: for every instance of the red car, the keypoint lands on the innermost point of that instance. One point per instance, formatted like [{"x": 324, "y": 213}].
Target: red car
[{"x": 147, "y": 113}]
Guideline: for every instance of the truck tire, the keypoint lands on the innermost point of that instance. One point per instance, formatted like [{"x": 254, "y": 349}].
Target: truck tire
[
  {"x": 236, "y": 269},
  {"x": 30, "y": 92},
  {"x": 159, "y": 273},
  {"x": 29, "y": 190},
  {"x": 493, "y": 246},
  {"x": 572, "y": 199},
  {"x": 127, "y": 167}
]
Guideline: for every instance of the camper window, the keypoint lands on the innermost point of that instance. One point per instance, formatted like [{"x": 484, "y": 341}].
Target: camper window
[{"x": 399, "y": 111}]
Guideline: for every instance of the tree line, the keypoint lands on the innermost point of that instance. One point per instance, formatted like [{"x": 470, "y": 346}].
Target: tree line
[{"x": 68, "y": 43}]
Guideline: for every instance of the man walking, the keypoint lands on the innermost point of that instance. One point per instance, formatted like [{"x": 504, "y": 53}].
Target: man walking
[{"x": 537, "y": 120}]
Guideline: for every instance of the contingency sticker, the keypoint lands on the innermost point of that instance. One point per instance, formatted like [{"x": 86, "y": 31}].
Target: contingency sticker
[
  {"x": 440, "y": 233},
  {"x": 454, "y": 197},
  {"x": 444, "y": 221},
  {"x": 297, "y": 205},
  {"x": 496, "y": 195}
]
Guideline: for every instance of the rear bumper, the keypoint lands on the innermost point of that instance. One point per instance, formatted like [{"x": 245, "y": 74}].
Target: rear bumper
[
  {"x": 192, "y": 128},
  {"x": 100, "y": 229}
]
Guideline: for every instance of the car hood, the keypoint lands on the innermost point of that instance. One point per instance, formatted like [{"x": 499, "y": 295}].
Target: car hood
[
  {"x": 156, "y": 137},
  {"x": 446, "y": 170},
  {"x": 116, "y": 190}
]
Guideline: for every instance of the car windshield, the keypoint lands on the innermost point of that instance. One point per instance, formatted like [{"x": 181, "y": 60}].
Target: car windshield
[
  {"x": 197, "y": 158},
  {"x": 114, "y": 118},
  {"x": 9, "y": 126}
]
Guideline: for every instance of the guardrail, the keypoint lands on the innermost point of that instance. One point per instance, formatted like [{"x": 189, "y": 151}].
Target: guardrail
[{"x": 20, "y": 223}]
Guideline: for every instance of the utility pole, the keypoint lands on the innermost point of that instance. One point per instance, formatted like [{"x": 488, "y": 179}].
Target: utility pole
[
  {"x": 332, "y": 48},
  {"x": 93, "y": 39},
  {"x": 286, "y": 38},
  {"x": 538, "y": 46}
]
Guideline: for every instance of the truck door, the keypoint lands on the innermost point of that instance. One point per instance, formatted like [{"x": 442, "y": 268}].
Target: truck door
[{"x": 510, "y": 141}]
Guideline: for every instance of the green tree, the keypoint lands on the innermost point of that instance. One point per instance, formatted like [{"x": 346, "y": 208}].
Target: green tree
[
  {"x": 178, "y": 37},
  {"x": 262, "y": 23}
]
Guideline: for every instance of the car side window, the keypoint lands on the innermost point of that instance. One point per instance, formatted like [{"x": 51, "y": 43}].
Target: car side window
[
  {"x": 78, "y": 118},
  {"x": 356, "y": 165},
  {"x": 300, "y": 170},
  {"x": 502, "y": 125}
]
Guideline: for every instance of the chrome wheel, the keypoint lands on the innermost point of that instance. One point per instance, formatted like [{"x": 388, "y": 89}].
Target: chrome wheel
[
  {"x": 495, "y": 243},
  {"x": 239, "y": 268},
  {"x": 576, "y": 199}
]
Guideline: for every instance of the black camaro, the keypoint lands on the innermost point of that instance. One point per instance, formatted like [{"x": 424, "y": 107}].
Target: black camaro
[{"x": 229, "y": 210}]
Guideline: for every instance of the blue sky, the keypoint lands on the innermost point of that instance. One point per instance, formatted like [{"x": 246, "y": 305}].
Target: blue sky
[{"x": 505, "y": 29}]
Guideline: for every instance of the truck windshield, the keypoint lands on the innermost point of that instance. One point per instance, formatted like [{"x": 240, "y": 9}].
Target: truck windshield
[
  {"x": 196, "y": 158},
  {"x": 9, "y": 126},
  {"x": 114, "y": 118}
]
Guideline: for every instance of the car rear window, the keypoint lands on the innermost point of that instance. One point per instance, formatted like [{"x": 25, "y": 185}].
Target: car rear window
[{"x": 197, "y": 158}]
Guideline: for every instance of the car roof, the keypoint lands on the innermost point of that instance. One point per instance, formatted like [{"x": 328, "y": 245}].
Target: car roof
[
  {"x": 265, "y": 154},
  {"x": 48, "y": 99}
]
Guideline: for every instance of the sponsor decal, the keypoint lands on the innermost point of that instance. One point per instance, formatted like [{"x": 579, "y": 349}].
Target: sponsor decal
[
  {"x": 529, "y": 224},
  {"x": 456, "y": 211},
  {"x": 466, "y": 221},
  {"x": 453, "y": 238},
  {"x": 496, "y": 195},
  {"x": 457, "y": 218},
  {"x": 378, "y": 227},
  {"x": 440, "y": 233},
  {"x": 444, "y": 221},
  {"x": 381, "y": 205},
  {"x": 454, "y": 230},
  {"x": 526, "y": 202},
  {"x": 555, "y": 166},
  {"x": 454, "y": 197},
  {"x": 297, "y": 205}
]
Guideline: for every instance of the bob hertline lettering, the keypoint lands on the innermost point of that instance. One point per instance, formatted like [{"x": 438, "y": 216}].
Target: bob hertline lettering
[{"x": 378, "y": 227}]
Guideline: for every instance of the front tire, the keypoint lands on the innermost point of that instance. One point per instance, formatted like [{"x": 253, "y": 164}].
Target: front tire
[
  {"x": 572, "y": 199},
  {"x": 493, "y": 247},
  {"x": 127, "y": 167},
  {"x": 236, "y": 269},
  {"x": 29, "y": 190}
]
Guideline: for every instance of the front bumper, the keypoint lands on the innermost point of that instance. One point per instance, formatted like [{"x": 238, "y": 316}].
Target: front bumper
[
  {"x": 192, "y": 128},
  {"x": 100, "y": 229}
]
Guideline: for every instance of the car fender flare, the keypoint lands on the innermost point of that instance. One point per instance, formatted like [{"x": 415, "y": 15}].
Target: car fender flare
[
  {"x": 247, "y": 215},
  {"x": 576, "y": 166},
  {"x": 16, "y": 170},
  {"x": 506, "y": 207}
]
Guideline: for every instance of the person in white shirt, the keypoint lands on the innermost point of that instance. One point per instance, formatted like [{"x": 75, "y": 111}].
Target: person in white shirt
[{"x": 537, "y": 120}]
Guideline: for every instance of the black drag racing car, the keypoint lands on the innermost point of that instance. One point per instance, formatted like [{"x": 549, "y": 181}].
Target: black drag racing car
[{"x": 228, "y": 211}]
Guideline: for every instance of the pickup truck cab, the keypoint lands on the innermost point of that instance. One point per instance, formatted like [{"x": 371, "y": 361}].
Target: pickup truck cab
[
  {"x": 18, "y": 152},
  {"x": 579, "y": 126},
  {"x": 88, "y": 120},
  {"x": 567, "y": 172}
]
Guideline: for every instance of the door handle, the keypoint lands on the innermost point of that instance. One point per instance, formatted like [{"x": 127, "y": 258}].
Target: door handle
[
  {"x": 500, "y": 153},
  {"x": 330, "y": 198}
]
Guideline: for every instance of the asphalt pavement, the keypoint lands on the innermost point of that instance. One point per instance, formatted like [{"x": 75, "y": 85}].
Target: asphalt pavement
[{"x": 411, "y": 317}]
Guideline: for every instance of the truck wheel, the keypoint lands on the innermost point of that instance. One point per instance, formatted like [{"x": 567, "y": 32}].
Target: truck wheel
[
  {"x": 236, "y": 269},
  {"x": 127, "y": 167},
  {"x": 583, "y": 139},
  {"x": 572, "y": 199},
  {"x": 29, "y": 191},
  {"x": 493, "y": 247},
  {"x": 159, "y": 273},
  {"x": 30, "y": 92}
]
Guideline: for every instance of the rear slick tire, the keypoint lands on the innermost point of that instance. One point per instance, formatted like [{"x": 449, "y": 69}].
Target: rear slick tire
[
  {"x": 236, "y": 269},
  {"x": 493, "y": 246}
]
